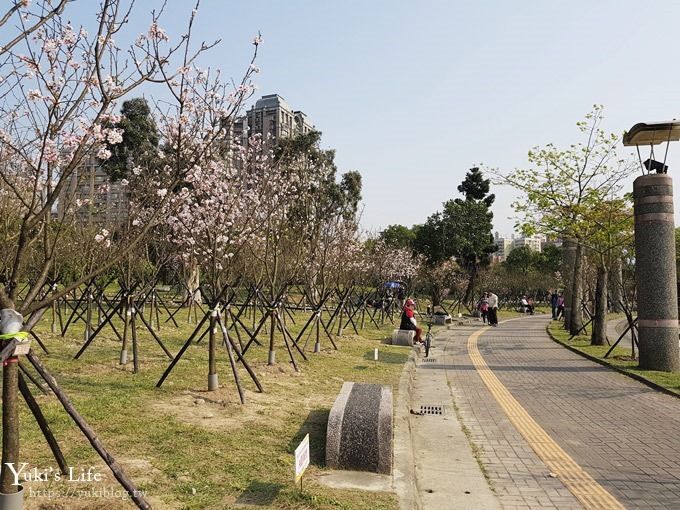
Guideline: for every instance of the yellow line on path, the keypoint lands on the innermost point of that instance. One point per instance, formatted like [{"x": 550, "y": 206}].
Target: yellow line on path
[{"x": 581, "y": 484}]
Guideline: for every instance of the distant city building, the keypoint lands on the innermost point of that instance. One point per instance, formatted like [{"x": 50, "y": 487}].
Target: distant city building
[
  {"x": 503, "y": 249},
  {"x": 535, "y": 242},
  {"x": 272, "y": 116},
  {"x": 92, "y": 198},
  {"x": 96, "y": 201},
  {"x": 504, "y": 245}
]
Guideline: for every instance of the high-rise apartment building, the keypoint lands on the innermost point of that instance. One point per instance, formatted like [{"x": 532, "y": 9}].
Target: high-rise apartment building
[
  {"x": 503, "y": 248},
  {"x": 96, "y": 201},
  {"x": 505, "y": 245},
  {"x": 535, "y": 243},
  {"x": 272, "y": 116},
  {"x": 92, "y": 199}
]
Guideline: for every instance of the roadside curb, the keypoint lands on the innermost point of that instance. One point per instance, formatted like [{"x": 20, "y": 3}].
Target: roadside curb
[{"x": 404, "y": 463}]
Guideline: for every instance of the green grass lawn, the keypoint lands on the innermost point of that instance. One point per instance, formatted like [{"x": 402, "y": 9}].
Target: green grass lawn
[{"x": 190, "y": 448}]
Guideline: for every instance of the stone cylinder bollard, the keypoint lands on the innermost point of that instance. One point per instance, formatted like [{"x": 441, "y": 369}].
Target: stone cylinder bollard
[
  {"x": 655, "y": 273},
  {"x": 359, "y": 432}
]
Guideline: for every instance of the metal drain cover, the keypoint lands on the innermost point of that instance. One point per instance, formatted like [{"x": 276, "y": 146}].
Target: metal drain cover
[{"x": 439, "y": 410}]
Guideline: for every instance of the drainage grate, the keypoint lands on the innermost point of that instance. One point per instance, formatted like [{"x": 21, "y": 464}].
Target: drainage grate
[
  {"x": 429, "y": 360},
  {"x": 431, "y": 409}
]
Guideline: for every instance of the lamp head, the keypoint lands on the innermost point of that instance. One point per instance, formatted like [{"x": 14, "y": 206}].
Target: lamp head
[
  {"x": 655, "y": 166},
  {"x": 652, "y": 133}
]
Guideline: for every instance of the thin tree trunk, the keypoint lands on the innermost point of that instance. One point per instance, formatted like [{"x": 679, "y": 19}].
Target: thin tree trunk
[
  {"x": 10, "y": 425},
  {"x": 194, "y": 283},
  {"x": 212, "y": 350},
  {"x": 599, "y": 335},
  {"x": 126, "y": 328},
  {"x": 616, "y": 285},
  {"x": 576, "y": 319},
  {"x": 469, "y": 291},
  {"x": 10, "y": 322},
  {"x": 568, "y": 254},
  {"x": 272, "y": 355}
]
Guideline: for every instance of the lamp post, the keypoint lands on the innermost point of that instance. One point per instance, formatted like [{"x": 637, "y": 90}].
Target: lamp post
[{"x": 655, "y": 273}]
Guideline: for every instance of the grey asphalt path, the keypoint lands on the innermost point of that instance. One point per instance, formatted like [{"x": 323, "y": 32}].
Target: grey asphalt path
[{"x": 621, "y": 432}]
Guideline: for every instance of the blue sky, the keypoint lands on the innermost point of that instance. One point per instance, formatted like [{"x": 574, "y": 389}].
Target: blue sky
[{"x": 413, "y": 94}]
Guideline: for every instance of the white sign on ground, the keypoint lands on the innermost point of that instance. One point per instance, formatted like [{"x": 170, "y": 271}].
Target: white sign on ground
[{"x": 301, "y": 457}]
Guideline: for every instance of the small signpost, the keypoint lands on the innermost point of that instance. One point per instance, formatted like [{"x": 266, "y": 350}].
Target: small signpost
[{"x": 301, "y": 459}]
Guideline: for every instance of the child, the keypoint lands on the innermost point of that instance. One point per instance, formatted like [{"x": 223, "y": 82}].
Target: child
[
  {"x": 483, "y": 307},
  {"x": 560, "y": 307}
]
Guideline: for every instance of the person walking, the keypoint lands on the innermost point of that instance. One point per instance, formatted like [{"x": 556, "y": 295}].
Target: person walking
[
  {"x": 553, "y": 304},
  {"x": 483, "y": 307},
  {"x": 560, "y": 307},
  {"x": 493, "y": 309}
]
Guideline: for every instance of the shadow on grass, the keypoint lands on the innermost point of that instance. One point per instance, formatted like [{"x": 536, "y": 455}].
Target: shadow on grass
[
  {"x": 259, "y": 493},
  {"x": 315, "y": 425}
]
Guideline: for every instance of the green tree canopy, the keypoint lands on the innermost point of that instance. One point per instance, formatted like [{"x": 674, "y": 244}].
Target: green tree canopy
[
  {"x": 139, "y": 143},
  {"x": 521, "y": 260},
  {"x": 301, "y": 158},
  {"x": 549, "y": 260},
  {"x": 530, "y": 271},
  {"x": 573, "y": 194},
  {"x": 462, "y": 230},
  {"x": 475, "y": 187},
  {"x": 398, "y": 236}
]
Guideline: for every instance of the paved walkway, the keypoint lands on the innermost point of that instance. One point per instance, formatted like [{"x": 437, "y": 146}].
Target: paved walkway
[{"x": 526, "y": 423}]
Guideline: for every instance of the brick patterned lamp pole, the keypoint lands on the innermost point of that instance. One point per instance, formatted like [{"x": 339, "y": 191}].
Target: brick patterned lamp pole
[{"x": 655, "y": 272}]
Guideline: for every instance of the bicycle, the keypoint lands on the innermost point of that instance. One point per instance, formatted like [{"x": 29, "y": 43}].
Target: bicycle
[{"x": 428, "y": 340}]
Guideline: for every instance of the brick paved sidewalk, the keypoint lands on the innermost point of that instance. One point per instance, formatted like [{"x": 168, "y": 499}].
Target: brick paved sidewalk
[{"x": 621, "y": 432}]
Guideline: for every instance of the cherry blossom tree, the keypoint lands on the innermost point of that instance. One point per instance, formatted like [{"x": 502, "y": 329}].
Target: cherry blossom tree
[
  {"x": 276, "y": 253},
  {"x": 221, "y": 205},
  {"x": 225, "y": 204},
  {"x": 441, "y": 280},
  {"x": 339, "y": 257},
  {"x": 393, "y": 263},
  {"x": 59, "y": 90},
  {"x": 321, "y": 220}
]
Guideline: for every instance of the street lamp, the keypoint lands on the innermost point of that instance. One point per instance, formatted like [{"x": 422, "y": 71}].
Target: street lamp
[
  {"x": 655, "y": 272},
  {"x": 653, "y": 133}
]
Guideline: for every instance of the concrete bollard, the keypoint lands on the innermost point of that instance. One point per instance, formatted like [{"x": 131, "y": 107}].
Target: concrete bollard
[
  {"x": 403, "y": 336},
  {"x": 359, "y": 434}
]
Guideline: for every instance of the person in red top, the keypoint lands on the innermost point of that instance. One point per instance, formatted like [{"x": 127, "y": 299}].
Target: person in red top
[{"x": 408, "y": 320}]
